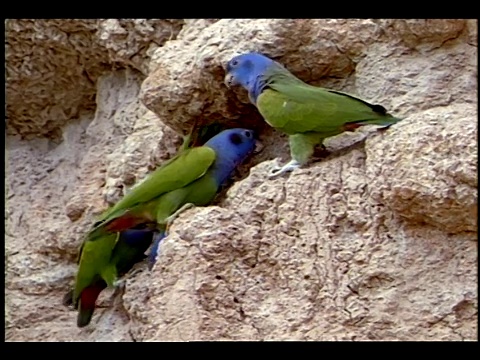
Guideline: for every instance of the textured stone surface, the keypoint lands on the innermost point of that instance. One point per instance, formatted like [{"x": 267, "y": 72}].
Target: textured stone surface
[
  {"x": 52, "y": 65},
  {"x": 429, "y": 174},
  {"x": 417, "y": 33},
  {"x": 378, "y": 241},
  {"x": 313, "y": 257},
  {"x": 53, "y": 192}
]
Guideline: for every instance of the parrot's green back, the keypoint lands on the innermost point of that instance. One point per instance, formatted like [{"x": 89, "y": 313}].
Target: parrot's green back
[
  {"x": 293, "y": 106},
  {"x": 94, "y": 268},
  {"x": 199, "y": 192},
  {"x": 94, "y": 262},
  {"x": 176, "y": 173}
]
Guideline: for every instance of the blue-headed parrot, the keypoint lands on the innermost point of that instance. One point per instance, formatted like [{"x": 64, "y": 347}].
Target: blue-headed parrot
[
  {"x": 308, "y": 114},
  {"x": 192, "y": 177}
]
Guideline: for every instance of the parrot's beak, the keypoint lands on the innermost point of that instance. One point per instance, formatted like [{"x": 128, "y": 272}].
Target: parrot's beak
[{"x": 229, "y": 80}]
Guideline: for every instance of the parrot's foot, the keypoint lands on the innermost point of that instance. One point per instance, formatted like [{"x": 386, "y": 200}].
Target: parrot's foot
[
  {"x": 119, "y": 288},
  {"x": 119, "y": 284},
  {"x": 134, "y": 272},
  {"x": 279, "y": 170},
  {"x": 172, "y": 217}
]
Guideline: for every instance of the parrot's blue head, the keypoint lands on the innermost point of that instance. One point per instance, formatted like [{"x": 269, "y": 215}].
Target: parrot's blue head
[
  {"x": 245, "y": 70},
  {"x": 231, "y": 147}
]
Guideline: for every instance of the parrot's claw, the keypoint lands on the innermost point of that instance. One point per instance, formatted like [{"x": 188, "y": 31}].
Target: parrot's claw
[
  {"x": 119, "y": 284},
  {"x": 279, "y": 170},
  {"x": 135, "y": 272},
  {"x": 119, "y": 288}
]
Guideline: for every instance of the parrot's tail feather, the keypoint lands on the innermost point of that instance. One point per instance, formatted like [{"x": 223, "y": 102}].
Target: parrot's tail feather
[
  {"x": 383, "y": 122},
  {"x": 86, "y": 304},
  {"x": 387, "y": 121},
  {"x": 84, "y": 317}
]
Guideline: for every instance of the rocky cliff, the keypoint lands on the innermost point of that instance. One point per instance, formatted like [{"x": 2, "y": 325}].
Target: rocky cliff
[{"x": 378, "y": 241}]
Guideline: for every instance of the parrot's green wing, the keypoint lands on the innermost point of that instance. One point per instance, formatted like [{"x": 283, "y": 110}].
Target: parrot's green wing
[
  {"x": 293, "y": 106},
  {"x": 94, "y": 262},
  {"x": 178, "y": 172}
]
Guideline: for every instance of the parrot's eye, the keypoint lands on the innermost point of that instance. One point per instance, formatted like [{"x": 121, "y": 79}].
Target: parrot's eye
[
  {"x": 234, "y": 63},
  {"x": 248, "y": 134},
  {"x": 235, "y": 139}
]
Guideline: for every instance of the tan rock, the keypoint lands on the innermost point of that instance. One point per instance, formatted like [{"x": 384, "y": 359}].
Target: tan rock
[
  {"x": 55, "y": 190},
  {"x": 432, "y": 168},
  {"x": 378, "y": 241},
  {"x": 52, "y": 66},
  {"x": 472, "y": 32},
  {"x": 334, "y": 264},
  {"x": 419, "y": 32}
]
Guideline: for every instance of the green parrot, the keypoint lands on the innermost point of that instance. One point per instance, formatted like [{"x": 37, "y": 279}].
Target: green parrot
[
  {"x": 308, "y": 114},
  {"x": 129, "y": 249},
  {"x": 191, "y": 178}
]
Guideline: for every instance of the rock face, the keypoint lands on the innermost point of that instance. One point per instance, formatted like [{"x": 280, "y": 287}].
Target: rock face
[
  {"x": 378, "y": 241},
  {"x": 52, "y": 66}
]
